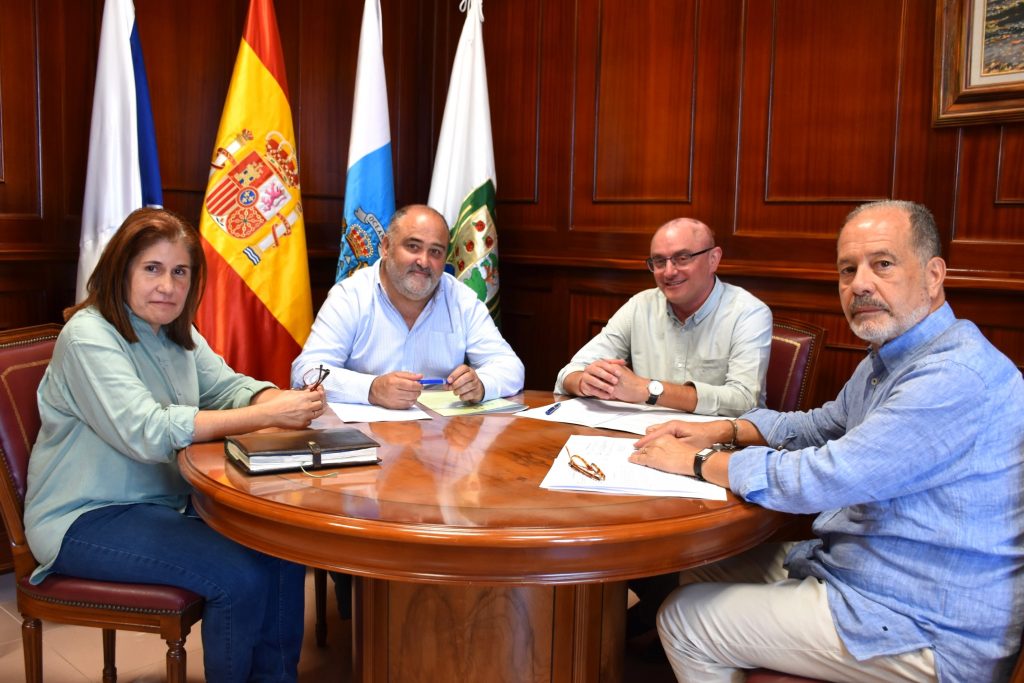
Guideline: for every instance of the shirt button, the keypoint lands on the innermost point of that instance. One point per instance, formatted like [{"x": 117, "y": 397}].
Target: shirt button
[{"x": 874, "y": 381}]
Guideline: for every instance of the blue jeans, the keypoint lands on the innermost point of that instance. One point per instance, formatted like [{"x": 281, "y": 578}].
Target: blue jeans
[{"x": 253, "y": 618}]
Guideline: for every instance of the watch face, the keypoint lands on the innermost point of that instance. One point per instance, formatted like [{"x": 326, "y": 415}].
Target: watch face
[{"x": 655, "y": 388}]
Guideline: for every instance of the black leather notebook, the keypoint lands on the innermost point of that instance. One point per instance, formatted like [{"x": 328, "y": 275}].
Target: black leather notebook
[{"x": 307, "y": 448}]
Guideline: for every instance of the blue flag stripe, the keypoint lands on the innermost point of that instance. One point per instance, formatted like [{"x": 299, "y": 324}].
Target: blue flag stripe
[{"x": 149, "y": 164}]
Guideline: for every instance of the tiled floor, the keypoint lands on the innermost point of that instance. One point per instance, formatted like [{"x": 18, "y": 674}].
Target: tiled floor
[{"x": 74, "y": 654}]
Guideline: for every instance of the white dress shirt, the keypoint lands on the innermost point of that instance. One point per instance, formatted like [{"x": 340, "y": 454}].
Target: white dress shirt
[{"x": 359, "y": 335}]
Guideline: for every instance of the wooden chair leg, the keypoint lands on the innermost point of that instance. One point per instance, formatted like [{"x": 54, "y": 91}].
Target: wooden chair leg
[
  {"x": 32, "y": 643},
  {"x": 176, "y": 661},
  {"x": 320, "y": 600},
  {"x": 109, "y": 647}
]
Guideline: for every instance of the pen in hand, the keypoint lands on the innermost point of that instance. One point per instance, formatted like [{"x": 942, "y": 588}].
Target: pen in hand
[
  {"x": 552, "y": 408},
  {"x": 427, "y": 381}
]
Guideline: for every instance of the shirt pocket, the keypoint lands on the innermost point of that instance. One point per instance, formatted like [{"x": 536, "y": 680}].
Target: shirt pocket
[
  {"x": 437, "y": 353},
  {"x": 709, "y": 370}
]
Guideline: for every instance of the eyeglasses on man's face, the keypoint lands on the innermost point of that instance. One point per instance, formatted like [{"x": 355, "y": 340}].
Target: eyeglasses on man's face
[{"x": 680, "y": 259}]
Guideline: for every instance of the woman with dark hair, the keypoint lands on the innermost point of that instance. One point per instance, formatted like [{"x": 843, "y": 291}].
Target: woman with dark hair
[{"x": 131, "y": 382}]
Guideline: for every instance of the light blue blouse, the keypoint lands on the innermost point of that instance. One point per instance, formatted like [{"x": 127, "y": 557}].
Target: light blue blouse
[{"x": 114, "y": 415}]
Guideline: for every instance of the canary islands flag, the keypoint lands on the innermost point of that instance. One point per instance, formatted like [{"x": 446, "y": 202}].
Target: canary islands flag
[
  {"x": 122, "y": 172},
  {"x": 369, "y": 184},
  {"x": 463, "y": 185},
  {"x": 257, "y": 310}
]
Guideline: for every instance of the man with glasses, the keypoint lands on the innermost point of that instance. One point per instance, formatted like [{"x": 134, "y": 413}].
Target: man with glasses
[{"x": 694, "y": 343}]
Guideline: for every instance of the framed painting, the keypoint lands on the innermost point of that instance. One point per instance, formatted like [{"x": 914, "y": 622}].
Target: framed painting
[{"x": 979, "y": 62}]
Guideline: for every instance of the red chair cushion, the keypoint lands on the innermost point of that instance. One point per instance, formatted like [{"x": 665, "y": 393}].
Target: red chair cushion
[{"x": 67, "y": 590}]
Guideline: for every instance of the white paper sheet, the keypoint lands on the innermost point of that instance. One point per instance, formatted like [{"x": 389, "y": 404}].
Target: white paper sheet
[
  {"x": 621, "y": 476},
  {"x": 624, "y": 417},
  {"x": 358, "y": 412}
]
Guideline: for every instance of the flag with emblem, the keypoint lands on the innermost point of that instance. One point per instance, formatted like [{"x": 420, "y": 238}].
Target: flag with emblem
[
  {"x": 369, "y": 184},
  {"x": 257, "y": 309},
  {"x": 463, "y": 184},
  {"x": 122, "y": 173}
]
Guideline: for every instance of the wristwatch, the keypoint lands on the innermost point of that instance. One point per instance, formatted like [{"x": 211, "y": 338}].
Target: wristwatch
[
  {"x": 654, "y": 391},
  {"x": 698, "y": 462}
]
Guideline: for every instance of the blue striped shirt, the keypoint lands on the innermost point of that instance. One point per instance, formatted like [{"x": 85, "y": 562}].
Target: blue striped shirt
[
  {"x": 359, "y": 334},
  {"x": 917, "y": 469}
]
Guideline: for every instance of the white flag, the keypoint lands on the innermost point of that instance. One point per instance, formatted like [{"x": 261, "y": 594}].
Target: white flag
[
  {"x": 463, "y": 185},
  {"x": 369, "y": 183},
  {"x": 122, "y": 173}
]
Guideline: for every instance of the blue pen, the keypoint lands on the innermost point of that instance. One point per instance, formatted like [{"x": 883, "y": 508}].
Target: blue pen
[
  {"x": 552, "y": 409},
  {"x": 427, "y": 381}
]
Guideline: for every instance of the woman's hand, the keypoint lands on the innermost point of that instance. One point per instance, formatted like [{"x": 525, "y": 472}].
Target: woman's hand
[
  {"x": 284, "y": 408},
  {"x": 294, "y": 408}
]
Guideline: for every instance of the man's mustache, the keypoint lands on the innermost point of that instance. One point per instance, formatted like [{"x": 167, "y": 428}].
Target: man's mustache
[{"x": 860, "y": 302}]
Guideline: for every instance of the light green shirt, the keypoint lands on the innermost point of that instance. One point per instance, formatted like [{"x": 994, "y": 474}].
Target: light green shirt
[
  {"x": 114, "y": 415},
  {"x": 722, "y": 349}
]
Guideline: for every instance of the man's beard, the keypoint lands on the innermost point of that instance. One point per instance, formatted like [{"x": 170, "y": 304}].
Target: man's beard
[
  {"x": 880, "y": 330},
  {"x": 409, "y": 285}
]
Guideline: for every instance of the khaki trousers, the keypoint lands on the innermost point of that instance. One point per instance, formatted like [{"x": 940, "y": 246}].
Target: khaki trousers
[{"x": 753, "y": 616}]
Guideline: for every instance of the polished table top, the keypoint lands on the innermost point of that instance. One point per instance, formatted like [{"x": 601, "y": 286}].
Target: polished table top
[{"x": 458, "y": 499}]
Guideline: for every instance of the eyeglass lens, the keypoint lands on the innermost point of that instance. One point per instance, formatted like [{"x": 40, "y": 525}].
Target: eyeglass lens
[
  {"x": 679, "y": 260},
  {"x": 314, "y": 376}
]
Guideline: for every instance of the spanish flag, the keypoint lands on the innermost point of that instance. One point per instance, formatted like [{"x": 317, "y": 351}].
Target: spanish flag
[{"x": 257, "y": 309}]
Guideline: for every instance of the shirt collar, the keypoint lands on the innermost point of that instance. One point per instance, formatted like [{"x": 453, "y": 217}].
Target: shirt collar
[
  {"x": 896, "y": 351},
  {"x": 706, "y": 308},
  {"x": 141, "y": 327}
]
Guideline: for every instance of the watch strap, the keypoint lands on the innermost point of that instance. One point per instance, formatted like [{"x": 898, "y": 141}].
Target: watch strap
[
  {"x": 698, "y": 462},
  {"x": 652, "y": 398}
]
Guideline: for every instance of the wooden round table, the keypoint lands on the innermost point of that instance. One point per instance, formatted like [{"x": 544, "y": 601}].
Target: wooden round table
[{"x": 466, "y": 570}]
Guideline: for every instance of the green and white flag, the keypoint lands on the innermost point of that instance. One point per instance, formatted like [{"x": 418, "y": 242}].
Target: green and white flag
[{"x": 463, "y": 185}]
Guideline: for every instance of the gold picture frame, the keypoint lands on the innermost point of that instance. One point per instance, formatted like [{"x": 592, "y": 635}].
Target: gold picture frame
[{"x": 979, "y": 74}]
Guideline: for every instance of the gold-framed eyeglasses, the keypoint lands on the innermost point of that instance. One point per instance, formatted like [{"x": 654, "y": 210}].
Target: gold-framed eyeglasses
[
  {"x": 588, "y": 469},
  {"x": 680, "y": 259},
  {"x": 314, "y": 377}
]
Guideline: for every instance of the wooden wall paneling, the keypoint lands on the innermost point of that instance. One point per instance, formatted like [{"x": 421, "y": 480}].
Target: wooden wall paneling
[
  {"x": 190, "y": 49},
  {"x": 65, "y": 148},
  {"x": 988, "y": 228},
  {"x": 589, "y": 312},
  {"x": 410, "y": 31},
  {"x": 21, "y": 192},
  {"x": 999, "y": 314},
  {"x": 323, "y": 109},
  {"x": 530, "y": 48},
  {"x": 656, "y": 104},
  {"x": 532, "y": 321},
  {"x": 827, "y": 88},
  {"x": 40, "y": 90},
  {"x": 631, "y": 99}
]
